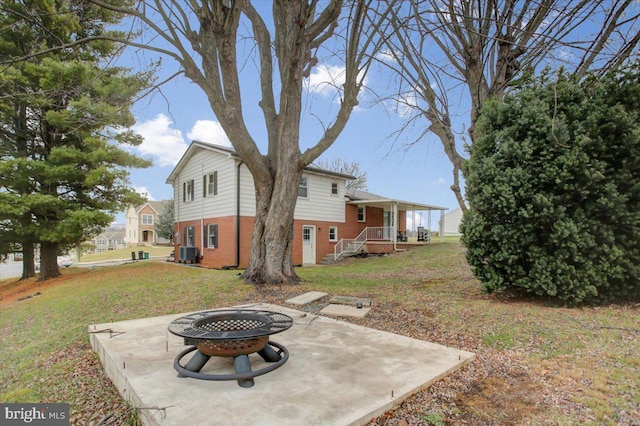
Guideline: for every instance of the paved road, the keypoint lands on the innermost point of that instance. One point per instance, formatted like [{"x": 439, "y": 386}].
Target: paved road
[
  {"x": 10, "y": 269},
  {"x": 14, "y": 269}
]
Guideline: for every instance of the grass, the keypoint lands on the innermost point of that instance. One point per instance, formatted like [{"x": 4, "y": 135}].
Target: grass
[
  {"x": 124, "y": 253},
  {"x": 579, "y": 365}
]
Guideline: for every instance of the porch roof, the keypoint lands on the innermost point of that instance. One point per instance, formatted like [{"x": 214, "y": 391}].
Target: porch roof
[{"x": 363, "y": 198}]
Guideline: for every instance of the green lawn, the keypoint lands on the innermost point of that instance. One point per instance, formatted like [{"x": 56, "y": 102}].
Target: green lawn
[
  {"x": 536, "y": 363},
  {"x": 124, "y": 253}
]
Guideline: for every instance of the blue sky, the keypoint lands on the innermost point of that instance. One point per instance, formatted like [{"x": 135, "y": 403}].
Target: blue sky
[
  {"x": 179, "y": 113},
  {"x": 170, "y": 119}
]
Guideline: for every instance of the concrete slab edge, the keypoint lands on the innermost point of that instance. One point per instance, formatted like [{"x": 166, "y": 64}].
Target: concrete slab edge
[
  {"x": 401, "y": 398},
  {"x": 155, "y": 415},
  {"x": 118, "y": 378}
]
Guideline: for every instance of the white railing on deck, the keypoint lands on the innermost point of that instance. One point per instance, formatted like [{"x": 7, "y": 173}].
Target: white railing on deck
[{"x": 373, "y": 233}]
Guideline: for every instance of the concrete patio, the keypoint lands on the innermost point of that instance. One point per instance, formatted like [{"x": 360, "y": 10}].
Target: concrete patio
[{"x": 337, "y": 374}]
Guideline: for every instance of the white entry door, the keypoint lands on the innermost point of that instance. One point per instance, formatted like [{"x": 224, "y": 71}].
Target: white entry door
[{"x": 309, "y": 245}]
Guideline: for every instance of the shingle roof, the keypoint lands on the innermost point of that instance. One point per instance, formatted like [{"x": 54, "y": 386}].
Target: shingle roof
[{"x": 156, "y": 205}]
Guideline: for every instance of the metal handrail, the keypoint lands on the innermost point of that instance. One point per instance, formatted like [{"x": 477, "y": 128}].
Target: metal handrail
[{"x": 373, "y": 233}]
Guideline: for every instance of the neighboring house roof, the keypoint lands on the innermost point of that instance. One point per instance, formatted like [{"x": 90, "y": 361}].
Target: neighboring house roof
[
  {"x": 155, "y": 205},
  {"x": 118, "y": 235},
  {"x": 368, "y": 198},
  {"x": 196, "y": 145},
  {"x": 109, "y": 234}
]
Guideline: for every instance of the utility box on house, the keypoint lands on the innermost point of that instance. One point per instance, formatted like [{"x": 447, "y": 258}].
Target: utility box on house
[{"x": 188, "y": 254}]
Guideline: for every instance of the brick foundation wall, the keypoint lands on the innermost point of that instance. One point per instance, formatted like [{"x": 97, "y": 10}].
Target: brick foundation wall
[{"x": 225, "y": 254}]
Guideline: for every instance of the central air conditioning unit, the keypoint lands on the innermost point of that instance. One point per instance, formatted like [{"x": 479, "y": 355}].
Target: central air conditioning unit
[{"x": 188, "y": 254}]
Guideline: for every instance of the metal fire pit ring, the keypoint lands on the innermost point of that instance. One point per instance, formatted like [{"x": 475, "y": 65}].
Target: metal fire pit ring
[
  {"x": 230, "y": 333},
  {"x": 244, "y": 378}
]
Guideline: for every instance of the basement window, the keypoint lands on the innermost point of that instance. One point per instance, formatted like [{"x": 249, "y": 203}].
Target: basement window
[{"x": 333, "y": 233}]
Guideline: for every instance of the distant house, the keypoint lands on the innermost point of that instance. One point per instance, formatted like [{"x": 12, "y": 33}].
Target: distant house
[
  {"x": 109, "y": 239},
  {"x": 214, "y": 212},
  {"x": 452, "y": 222},
  {"x": 140, "y": 224}
]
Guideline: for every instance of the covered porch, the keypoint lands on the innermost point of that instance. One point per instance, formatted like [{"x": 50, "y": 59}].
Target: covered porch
[{"x": 404, "y": 225}]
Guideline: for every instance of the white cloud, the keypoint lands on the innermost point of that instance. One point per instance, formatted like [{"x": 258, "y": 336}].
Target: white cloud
[
  {"x": 142, "y": 190},
  {"x": 438, "y": 182},
  {"x": 160, "y": 140},
  {"x": 326, "y": 79},
  {"x": 406, "y": 104},
  {"x": 209, "y": 131}
]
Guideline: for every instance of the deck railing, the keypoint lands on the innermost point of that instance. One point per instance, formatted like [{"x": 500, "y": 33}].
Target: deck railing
[{"x": 353, "y": 245}]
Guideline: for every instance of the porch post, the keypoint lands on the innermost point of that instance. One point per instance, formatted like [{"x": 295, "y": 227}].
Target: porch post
[{"x": 394, "y": 226}]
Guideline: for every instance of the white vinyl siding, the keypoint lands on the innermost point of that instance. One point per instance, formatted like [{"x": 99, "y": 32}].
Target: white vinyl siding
[
  {"x": 207, "y": 163},
  {"x": 319, "y": 205}
]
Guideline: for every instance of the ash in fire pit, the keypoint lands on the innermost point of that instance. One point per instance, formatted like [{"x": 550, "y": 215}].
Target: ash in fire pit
[{"x": 230, "y": 333}]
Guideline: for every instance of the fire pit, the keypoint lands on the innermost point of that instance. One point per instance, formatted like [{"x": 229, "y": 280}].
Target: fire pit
[{"x": 233, "y": 333}]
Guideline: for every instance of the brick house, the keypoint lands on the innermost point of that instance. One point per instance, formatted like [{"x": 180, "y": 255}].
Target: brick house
[
  {"x": 140, "y": 224},
  {"x": 215, "y": 208}
]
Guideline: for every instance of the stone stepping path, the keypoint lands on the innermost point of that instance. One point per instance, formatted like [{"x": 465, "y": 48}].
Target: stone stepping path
[
  {"x": 345, "y": 311},
  {"x": 305, "y": 298},
  {"x": 351, "y": 301},
  {"x": 340, "y": 306}
]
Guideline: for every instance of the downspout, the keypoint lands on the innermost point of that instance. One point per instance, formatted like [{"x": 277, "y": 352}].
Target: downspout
[
  {"x": 394, "y": 230},
  {"x": 201, "y": 216},
  {"x": 177, "y": 236},
  {"x": 238, "y": 214}
]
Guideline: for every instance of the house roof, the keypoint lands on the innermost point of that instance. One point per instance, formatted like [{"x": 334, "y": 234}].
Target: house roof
[
  {"x": 111, "y": 235},
  {"x": 117, "y": 235},
  {"x": 197, "y": 145},
  {"x": 371, "y": 199},
  {"x": 155, "y": 205}
]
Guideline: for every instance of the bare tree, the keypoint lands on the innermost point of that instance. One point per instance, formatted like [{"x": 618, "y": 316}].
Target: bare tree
[
  {"x": 353, "y": 169},
  {"x": 204, "y": 37},
  {"x": 452, "y": 52}
]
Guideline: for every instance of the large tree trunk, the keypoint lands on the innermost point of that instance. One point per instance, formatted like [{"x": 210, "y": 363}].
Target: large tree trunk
[
  {"x": 28, "y": 261},
  {"x": 48, "y": 261},
  {"x": 271, "y": 247}
]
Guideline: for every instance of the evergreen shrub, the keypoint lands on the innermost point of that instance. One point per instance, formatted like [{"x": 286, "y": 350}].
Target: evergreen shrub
[{"x": 553, "y": 182}]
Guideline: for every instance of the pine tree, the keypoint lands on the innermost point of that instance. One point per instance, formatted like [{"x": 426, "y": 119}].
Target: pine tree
[{"x": 64, "y": 116}]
